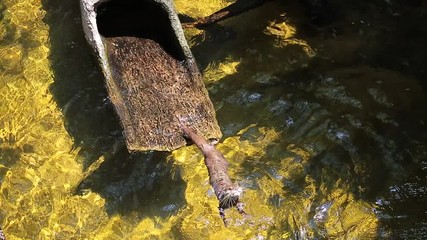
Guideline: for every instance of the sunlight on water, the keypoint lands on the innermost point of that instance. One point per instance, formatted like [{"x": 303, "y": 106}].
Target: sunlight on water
[
  {"x": 38, "y": 164},
  {"x": 273, "y": 211},
  {"x": 319, "y": 148}
]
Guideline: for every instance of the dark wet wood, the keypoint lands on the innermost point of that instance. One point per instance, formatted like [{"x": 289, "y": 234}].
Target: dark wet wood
[
  {"x": 155, "y": 90},
  {"x": 234, "y": 9}
]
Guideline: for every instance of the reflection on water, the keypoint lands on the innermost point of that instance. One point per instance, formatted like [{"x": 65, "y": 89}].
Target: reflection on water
[{"x": 324, "y": 127}]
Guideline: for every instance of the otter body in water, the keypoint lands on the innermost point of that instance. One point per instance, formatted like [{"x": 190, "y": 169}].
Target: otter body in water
[{"x": 227, "y": 192}]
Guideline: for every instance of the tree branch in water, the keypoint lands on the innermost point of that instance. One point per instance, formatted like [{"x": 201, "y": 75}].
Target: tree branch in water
[{"x": 234, "y": 9}]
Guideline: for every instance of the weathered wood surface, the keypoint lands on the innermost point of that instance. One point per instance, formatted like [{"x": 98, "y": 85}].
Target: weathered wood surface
[
  {"x": 156, "y": 90},
  {"x": 150, "y": 73}
]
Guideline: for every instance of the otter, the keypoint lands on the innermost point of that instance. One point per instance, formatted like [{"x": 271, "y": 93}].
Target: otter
[{"x": 227, "y": 192}]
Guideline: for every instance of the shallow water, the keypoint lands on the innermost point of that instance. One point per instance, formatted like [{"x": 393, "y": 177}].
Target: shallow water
[{"x": 323, "y": 122}]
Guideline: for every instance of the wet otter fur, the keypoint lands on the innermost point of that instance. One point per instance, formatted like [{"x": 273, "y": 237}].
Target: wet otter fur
[{"x": 227, "y": 192}]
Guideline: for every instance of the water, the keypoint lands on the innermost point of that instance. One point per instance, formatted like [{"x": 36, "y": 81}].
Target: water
[{"x": 323, "y": 122}]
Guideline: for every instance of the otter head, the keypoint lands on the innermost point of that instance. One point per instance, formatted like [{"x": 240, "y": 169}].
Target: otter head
[{"x": 230, "y": 196}]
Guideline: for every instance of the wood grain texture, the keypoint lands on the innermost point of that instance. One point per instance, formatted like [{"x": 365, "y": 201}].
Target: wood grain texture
[{"x": 155, "y": 91}]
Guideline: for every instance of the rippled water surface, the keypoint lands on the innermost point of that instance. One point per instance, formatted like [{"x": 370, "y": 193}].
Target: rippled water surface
[{"x": 324, "y": 126}]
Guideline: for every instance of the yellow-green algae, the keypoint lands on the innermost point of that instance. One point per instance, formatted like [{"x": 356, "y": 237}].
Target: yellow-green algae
[{"x": 39, "y": 168}]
